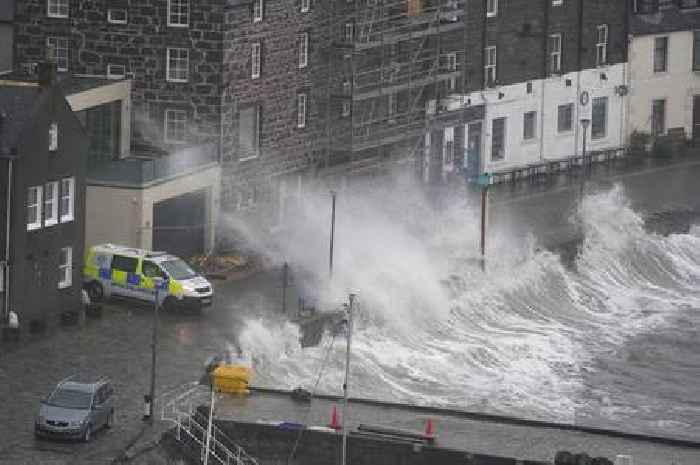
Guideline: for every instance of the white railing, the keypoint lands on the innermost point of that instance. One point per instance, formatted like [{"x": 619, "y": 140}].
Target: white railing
[{"x": 180, "y": 408}]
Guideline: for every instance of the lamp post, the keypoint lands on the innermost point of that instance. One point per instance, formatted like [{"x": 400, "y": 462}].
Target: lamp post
[
  {"x": 8, "y": 229},
  {"x": 585, "y": 122},
  {"x": 330, "y": 257},
  {"x": 344, "y": 458},
  {"x": 158, "y": 284}
]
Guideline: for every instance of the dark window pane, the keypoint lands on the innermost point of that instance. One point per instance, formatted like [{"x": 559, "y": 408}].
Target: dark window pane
[
  {"x": 127, "y": 264},
  {"x": 498, "y": 138},
  {"x": 658, "y": 117},
  {"x": 600, "y": 117},
  {"x": 529, "y": 120},
  {"x": 565, "y": 117},
  {"x": 660, "y": 54}
]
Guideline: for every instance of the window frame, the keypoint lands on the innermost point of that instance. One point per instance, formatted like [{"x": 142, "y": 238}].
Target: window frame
[
  {"x": 303, "y": 50},
  {"x": 349, "y": 32},
  {"x": 654, "y": 116},
  {"x": 448, "y": 146},
  {"x": 570, "y": 108},
  {"x": 58, "y": 57},
  {"x": 53, "y": 136},
  {"x": 258, "y": 10},
  {"x": 51, "y": 204},
  {"x": 111, "y": 75},
  {"x": 557, "y": 2},
  {"x": 65, "y": 268},
  {"x": 533, "y": 136},
  {"x": 257, "y": 120},
  {"x": 555, "y": 54},
  {"x": 305, "y": 6},
  {"x": 346, "y": 108},
  {"x": 168, "y": 120},
  {"x": 58, "y": 5},
  {"x": 656, "y": 66},
  {"x": 490, "y": 67},
  {"x": 301, "y": 110},
  {"x": 38, "y": 206},
  {"x": 178, "y": 14},
  {"x": 502, "y": 157},
  {"x": 603, "y": 135},
  {"x": 491, "y": 8},
  {"x": 255, "y": 60},
  {"x": 696, "y": 50},
  {"x": 69, "y": 195},
  {"x": 601, "y": 47},
  {"x": 177, "y": 61},
  {"x": 111, "y": 20}
]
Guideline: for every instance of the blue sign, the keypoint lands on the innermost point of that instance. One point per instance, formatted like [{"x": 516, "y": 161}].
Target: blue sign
[{"x": 484, "y": 180}]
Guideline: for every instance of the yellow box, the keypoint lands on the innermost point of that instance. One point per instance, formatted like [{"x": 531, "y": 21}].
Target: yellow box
[{"x": 232, "y": 379}]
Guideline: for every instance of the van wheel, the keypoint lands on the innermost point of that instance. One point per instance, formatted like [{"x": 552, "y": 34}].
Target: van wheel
[{"x": 96, "y": 292}]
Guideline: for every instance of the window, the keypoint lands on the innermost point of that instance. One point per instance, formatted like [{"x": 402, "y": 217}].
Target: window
[
  {"x": 688, "y": 4},
  {"x": 347, "y": 108},
  {"x": 658, "y": 117},
  {"x": 58, "y": 52},
  {"x": 349, "y": 32},
  {"x": 255, "y": 60},
  {"x": 660, "y": 54},
  {"x": 449, "y": 65},
  {"x": 178, "y": 13},
  {"x": 305, "y": 6},
  {"x": 565, "y": 117},
  {"x": 117, "y": 16},
  {"x": 53, "y": 137},
  {"x": 301, "y": 110},
  {"x": 498, "y": 139},
  {"x": 257, "y": 10},
  {"x": 51, "y": 203},
  {"x": 557, "y": 2},
  {"x": 125, "y": 264},
  {"x": 601, "y": 45},
  {"x": 696, "y": 51},
  {"x": 303, "y": 50},
  {"x": 346, "y": 87},
  {"x": 178, "y": 64},
  {"x": 34, "y": 208},
  {"x": 599, "y": 125},
  {"x": 57, "y": 8},
  {"x": 249, "y": 123},
  {"x": 151, "y": 270},
  {"x": 392, "y": 105},
  {"x": 65, "y": 267},
  {"x": 67, "y": 199},
  {"x": 116, "y": 71},
  {"x": 175, "y": 126},
  {"x": 555, "y": 54},
  {"x": 448, "y": 146},
  {"x": 529, "y": 125},
  {"x": 491, "y": 8},
  {"x": 490, "y": 69},
  {"x": 646, "y": 6}
]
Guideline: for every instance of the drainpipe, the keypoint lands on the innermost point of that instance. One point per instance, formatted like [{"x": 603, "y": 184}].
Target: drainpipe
[
  {"x": 545, "y": 74},
  {"x": 579, "y": 70}
]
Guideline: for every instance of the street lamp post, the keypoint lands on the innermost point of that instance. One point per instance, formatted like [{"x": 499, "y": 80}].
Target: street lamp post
[
  {"x": 330, "y": 257},
  {"x": 585, "y": 122},
  {"x": 158, "y": 283},
  {"x": 8, "y": 229}
]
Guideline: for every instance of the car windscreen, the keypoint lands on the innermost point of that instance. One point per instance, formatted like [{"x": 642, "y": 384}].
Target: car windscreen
[
  {"x": 68, "y": 398},
  {"x": 178, "y": 269}
]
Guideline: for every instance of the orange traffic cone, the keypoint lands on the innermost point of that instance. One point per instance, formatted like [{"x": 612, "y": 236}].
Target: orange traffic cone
[
  {"x": 335, "y": 423},
  {"x": 429, "y": 432}
]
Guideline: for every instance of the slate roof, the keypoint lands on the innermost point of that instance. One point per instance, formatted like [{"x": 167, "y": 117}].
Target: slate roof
[
  {"x": 670, "y": 19},
  {"x": 18, "y": 103}
]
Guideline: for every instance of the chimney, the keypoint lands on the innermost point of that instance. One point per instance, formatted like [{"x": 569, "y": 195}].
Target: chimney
[{"x": 47, "y": 69}]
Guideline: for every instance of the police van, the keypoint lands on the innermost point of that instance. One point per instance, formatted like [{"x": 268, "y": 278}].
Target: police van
[{"x": 112, "y": 270}]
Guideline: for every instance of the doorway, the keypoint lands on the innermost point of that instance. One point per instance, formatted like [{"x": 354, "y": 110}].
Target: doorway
[{"x": 472, "y": 154}]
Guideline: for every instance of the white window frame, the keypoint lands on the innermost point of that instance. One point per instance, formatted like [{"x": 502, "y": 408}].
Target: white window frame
[
  {"x": 258, "y": 10},
  {"x": 303, "y": 50},
  {"x": 555, "y": 53},
  {"x": 601, "y": 45},
  {"x": 175, "y": 10},
  {"x": 346, "y": 109},
  {"x": 490, "y": 64},
  {"x": 35, "y": 206},
  {"x": 301, "y": 111},
  {"x": 654, "y": 116},
  {"x": 349, "y": 32},
  {"x": 67, "y": 193},
  {"x": 53, "y": 136},
  {"x": 172, "y": 117},
  {"x": 60, "y": 47},
  {"x": 255, "y": 59},
  {"x": 448, "y": 146},
  {"x": 65, "y": 269},
  {"x": 534, "y": 126},
  {"x": 667, "y": 53},
  {"x": 51, "y": 203},
  {"x": 605, "y": 118},
  {"x": 112, "y": 20},
  {"x": 175, "y": 69},
  {"x": 392, "y": 106},
  {"x": 305, "y": 6},
  {"x": 111, "y": 68},
  {"x": 557, "y": 2},
  {"x": 504, "y": 141},
  {"x": 491, "y": 8},
  {"x": 57, "y": 8},
  {"x": 571, "y": 108}
]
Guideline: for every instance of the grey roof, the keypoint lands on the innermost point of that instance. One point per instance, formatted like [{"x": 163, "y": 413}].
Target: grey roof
[
  {"x": 670, "y": 19},
  {"x": 18, "y": 103},
  {"x": 76, "y": 84}
]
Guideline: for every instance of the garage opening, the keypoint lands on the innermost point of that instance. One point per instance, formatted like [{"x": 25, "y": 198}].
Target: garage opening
[{"x": 179, "y": 224}]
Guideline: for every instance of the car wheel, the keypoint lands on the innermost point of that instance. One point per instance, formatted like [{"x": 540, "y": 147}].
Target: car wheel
[
  {"x": 87, "y": 434},
  {"x": 96, "y": 292},
  {"x": 110, "y": 420}
]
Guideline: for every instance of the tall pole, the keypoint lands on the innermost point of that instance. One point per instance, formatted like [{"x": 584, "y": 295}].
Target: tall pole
[
  {"x": 8, "y": 222},
  {"x": 154, "y": 345},
  {"x": 330, "y": 258},
  {"x": 584, "y": 165},
  {"x": 209, "y": 424},
  {"x": 345, "y": 385},
  {"x": 285, "y": 277},
  {"x": 484, "y": 208}
]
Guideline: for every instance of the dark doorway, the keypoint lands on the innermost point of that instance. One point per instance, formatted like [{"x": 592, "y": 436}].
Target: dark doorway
[{"x": 179, "y": 224}]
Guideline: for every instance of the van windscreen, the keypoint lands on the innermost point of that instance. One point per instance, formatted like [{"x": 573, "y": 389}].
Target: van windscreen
[{"x": 178, "y": 269}]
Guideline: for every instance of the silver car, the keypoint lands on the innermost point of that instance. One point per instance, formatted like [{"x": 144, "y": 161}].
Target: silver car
[{"x": 75, "y": 410}]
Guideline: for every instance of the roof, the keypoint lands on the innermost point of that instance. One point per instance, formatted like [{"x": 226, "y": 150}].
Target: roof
[
  {"x": 670, "y": 19},
  {"x": 128, "y": 251},
  {"x": 76, "y": 84},
  {"x": 18, "y": 103}
]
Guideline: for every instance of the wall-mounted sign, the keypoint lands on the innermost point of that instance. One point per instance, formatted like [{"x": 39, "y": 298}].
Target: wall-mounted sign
[{"x": 585, "y": 98}]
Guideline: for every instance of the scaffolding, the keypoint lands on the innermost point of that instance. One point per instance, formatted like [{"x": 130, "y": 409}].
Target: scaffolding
[{"x": 391, "y": 58}]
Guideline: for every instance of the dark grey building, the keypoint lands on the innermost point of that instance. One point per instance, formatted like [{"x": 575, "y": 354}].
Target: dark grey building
[
  {"x": 7, "y": 15},
  {"x": 46, "y": 185}
]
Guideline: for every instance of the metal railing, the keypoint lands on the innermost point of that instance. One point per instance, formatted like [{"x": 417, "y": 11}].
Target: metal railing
[{"x": 180, "y": 408}]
